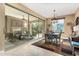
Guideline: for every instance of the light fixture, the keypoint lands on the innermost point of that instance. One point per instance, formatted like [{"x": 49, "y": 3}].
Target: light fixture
[{"x": 54, "y": 17}]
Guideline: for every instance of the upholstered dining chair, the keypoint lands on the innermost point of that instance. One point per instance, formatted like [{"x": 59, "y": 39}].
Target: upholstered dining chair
[
  {"x": 75, "y": 44},
  {"x": 59, "y": 36},
  {"x": 50, "y": 37}
]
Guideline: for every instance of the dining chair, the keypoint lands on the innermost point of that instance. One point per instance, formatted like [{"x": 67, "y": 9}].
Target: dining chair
[
  {"x": 59, "y": 37},
  {"x": 49, "y": 38},
  {"x": 66, "y": 46},
  {"x": 74, "y": 44}
]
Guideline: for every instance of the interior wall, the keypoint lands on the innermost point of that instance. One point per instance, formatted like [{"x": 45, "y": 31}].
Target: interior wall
[
  {"x": 67, "y": 28},
  {"x": 2, "y": 26},
  {"x": 48, "y": 23},
  {"x": 77, "y": 13}
]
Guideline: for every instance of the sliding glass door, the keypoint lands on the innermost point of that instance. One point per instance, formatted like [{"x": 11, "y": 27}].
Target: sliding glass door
[
  {"x": 37, "y": 27},
  {"x": 16, "y": 24},
  {"x": 21, "y": 26},
  {"x": 41, "y": 28}
]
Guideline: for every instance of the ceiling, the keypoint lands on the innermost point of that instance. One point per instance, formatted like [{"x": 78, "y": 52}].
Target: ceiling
[{"x": 46, "y": 9}]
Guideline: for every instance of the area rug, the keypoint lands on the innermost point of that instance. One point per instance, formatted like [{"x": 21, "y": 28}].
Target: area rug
[{"x": 52, "y": 47}]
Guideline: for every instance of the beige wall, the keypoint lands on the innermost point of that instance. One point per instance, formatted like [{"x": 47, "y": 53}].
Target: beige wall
[
  {"x": 67, "y": 28},
  {"x": 77, "y": 13},
  {"x": 2, "y": 24},
  {"x": 48, "y": 23},
  {"x": 70, "y": 18}
]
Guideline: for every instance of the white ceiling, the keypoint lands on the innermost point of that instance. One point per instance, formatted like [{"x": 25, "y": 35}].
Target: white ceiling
[{"x": 46, "y": 9}]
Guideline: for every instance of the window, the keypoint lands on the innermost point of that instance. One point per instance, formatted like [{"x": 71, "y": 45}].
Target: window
[{"x": 58, "y": 25}]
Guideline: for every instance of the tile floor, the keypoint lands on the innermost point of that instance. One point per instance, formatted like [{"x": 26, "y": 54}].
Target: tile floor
[{"x": 28, "y": 50}]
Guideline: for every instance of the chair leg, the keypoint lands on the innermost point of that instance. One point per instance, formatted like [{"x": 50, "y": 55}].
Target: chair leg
[
  {"x": 56, "y": 41},
  {"x": 73, "y": 51}
]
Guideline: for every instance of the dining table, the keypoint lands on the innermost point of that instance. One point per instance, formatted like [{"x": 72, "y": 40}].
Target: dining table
[{"x": 54, "y": 36}]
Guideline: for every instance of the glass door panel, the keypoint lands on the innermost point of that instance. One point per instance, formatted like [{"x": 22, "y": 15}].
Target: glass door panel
[
  {"x": 33, "y": 26},
  {"x": 41, "y": 28},
  {"x": 16, "y": 24}
]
